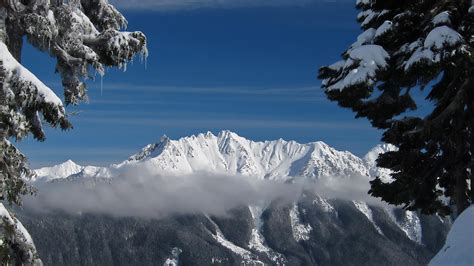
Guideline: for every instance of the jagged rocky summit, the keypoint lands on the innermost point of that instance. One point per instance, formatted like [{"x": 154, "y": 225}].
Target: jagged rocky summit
[
  {"x": 315, "y": 230},
  {"x": 232, "y": 154}
]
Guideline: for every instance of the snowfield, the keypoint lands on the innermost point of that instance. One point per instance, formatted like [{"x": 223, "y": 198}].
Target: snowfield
[
  {"x": 229, "y": 153},
  {"x": 459, "y": 247},
  {"x": 308, "y": 193}
]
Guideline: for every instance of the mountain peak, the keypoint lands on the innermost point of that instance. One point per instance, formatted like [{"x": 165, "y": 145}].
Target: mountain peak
[
  {"x": 374, "y": 153},
  {"x": 230, "y": 153},
  {"x": 164, "y": 138},
  {"x": 62, "y": 170},
  {"x": 69, "y": 163},
  {"x": 227, "y": 134}
]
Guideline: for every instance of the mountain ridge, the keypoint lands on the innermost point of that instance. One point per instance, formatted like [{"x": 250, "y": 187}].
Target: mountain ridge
[
  {"x": 311, "y": 230},
  {"x": 229, "y": 153}
]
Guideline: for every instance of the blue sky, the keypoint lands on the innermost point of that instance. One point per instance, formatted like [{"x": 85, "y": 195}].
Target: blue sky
[{"x": 247, "y": 66}]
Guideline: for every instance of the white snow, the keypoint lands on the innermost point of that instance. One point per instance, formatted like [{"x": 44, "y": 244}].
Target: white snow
[
  {"x": 339, "y": 64},
  {"x": 442, "y": 18},
  {"x": 384, "y": 28},
  {"x": 363, "y": 2},
  {"x": 439, "y": 42},
  {"x": 21, "y": 237},
  {"x": 366, "y": 37},
  {"x": 365, "y": 209},
  {"x": 257, "y": 240},
  {"x": 410, "y": 224},
  {"x": 459, "y": 247},
  {"x": 228, "y": 153},
  {"x": 69, "y": 169},
  {"x": 369, "y": 59},
  {"x": 243, "y": 253},
  {"x": 16, "y": 69},
  {"x": 63, "y": 170},
  {"x": 442, "y": 36},
  {"x": 174, "y": 259},
  {"x": 370, "y": 54},
  {"x": 171, "y": 262},
  {"x": 301, "y": 232},
  {"x": 422, "y": 55},
  {"x": 370, "y": 160},
  {"x": 324, "y": 204},
  {"x": 367, "y": 16}
]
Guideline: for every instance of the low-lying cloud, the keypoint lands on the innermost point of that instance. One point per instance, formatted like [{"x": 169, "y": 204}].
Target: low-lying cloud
[{"x": 139, "y": 194}]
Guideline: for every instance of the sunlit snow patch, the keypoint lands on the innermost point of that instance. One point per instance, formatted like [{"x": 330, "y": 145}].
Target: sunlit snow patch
[
  {"x": 301, "y": 232},
  {"x": 257, "y": 240},
  {"x": 364, "y": 208}
]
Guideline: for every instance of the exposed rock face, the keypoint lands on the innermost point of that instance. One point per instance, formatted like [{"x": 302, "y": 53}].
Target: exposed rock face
[
  {"x": 312, "y": 231},
  {"x": 324, "y": 232}
]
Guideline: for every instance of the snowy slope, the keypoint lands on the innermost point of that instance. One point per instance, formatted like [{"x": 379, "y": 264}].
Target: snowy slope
[
  {"x": 279, "y": 160},
  {"x": 459, "y": 247},
  {"x": 370, "y": 161},
  {"x": 231, "y": 154},
  {"x": 59, "y": 171},
  {"x": 69, "y": 169}
]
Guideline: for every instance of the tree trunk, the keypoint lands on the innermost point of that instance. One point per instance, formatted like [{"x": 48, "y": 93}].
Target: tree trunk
[
  {"x": 15, "y": 37},
  {"x": 471, "y": 181},
  {"x": 461, "y": 192}
]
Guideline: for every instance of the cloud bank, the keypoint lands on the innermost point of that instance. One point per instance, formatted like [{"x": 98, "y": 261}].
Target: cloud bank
[
  {"x": 150, "y": 196},
  {"x": 139, "y": 194},
  {"x": 194, "y": 4}
]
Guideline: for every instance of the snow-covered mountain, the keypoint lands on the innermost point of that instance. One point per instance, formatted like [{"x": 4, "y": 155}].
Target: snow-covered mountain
[
  {"x": 232, "y": 154},
  {"x": 69, "y": 169},
  {"x": 312, "y": 230}
]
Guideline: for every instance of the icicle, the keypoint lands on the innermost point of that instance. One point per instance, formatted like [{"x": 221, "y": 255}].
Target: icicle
[{"x": 144, "y": 56}]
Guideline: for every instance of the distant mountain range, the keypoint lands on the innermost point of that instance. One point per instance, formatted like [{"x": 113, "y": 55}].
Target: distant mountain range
[
  {"x": 312, "y": 231},
  {"x": 230, "y": 153}
]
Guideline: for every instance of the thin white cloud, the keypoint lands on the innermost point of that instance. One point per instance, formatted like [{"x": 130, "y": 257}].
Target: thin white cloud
[
  {"x": 230, "y": 122},
  {"x": 194, "y": 4},
  {"x": 140, "y": 193},
  {"x": 285, "y": 91}
]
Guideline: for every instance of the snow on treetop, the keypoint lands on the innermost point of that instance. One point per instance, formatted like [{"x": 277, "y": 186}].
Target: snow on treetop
[
  {"x": 430, "y": 50},
  {"x": 384, "y": 28},
  {"x": 370, "y": 55},
  {"x": 369, "y": 59},
  {"x": 442, "y": 18},
  {"x": 367, "y": 16},
  {"x": 364, "y": 38},
  {"x": 422, "y": 55},
  {"x": 442, "y": 36}
]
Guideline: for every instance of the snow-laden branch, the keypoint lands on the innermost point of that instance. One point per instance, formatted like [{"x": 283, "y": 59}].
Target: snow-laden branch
[{"x": 16, "y": 243}]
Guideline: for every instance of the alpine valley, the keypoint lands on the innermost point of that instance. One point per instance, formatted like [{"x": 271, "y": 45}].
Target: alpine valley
[{"x": 313, "y": 230}]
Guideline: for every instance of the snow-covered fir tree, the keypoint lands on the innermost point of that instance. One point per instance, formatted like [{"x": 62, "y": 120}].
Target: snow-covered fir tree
[
  {"x": 410, "y": 45},
  {"x": 85, "y": 37}
]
